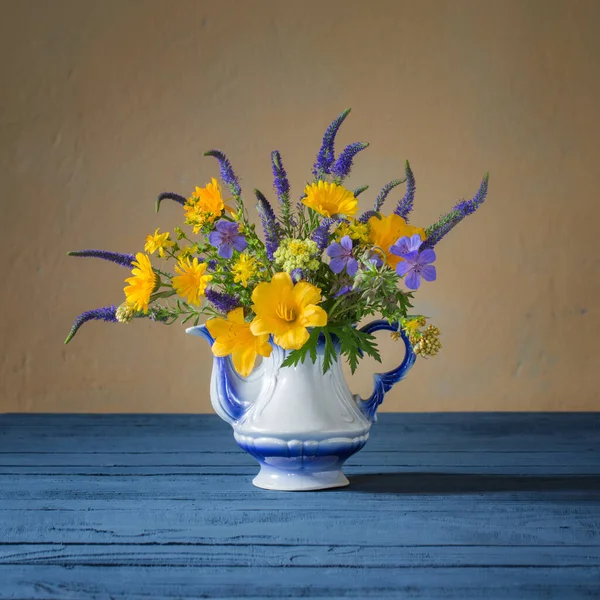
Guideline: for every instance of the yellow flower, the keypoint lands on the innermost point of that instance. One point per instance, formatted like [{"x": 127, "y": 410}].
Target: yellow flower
[
  {"x": 142, "y": 284},
  {"x": 186, "y": 252},
  {"x": 296, "y": 254},
  {"x": 191, "y": 282},
  {"x": 243, "y": 269},
  {"x": 330, "y": 199},
  {"x": 356, "y": 230},
  {"x": 385, "y": 232},
  {"x": 205, "y": 205},
  {"x": 158, "y": 241},
  {"x": 233, "y": 336},
  {"x": 286, "y": 310}
]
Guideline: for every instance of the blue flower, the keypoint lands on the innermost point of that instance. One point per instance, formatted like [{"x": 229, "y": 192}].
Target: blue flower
[
  {"x": 124, "y": 260},
  {"x": 341, "y": 257},
  {"x": 221, "y": 301},
  {"x": 415, "y": 264},
  {"x": 226, "y": 237},
  {"x": 107, "y": 313}
]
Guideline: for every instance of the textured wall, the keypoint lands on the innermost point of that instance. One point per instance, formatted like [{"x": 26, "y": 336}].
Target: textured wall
[{"x": 104, "y": 104}]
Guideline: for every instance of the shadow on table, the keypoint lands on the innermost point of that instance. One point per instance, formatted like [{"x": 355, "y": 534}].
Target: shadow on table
[{"x": 461, "y": 483}]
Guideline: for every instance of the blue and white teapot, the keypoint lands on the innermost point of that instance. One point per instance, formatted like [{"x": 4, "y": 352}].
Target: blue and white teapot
[{"x": 299, "y": 423}]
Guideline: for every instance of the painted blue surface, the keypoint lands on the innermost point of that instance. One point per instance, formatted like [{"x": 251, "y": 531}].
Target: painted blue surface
[{"x": 466, "y": 506}]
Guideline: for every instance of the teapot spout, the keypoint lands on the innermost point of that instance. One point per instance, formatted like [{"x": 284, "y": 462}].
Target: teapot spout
[{"x": 231, "y": 394}]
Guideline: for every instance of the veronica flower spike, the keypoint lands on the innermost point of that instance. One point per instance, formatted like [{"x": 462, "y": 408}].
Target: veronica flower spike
[
  {"x": 414, "y": 264},
  {"x": 226, "y": 237},
  {"x": 341, "y": 257}
]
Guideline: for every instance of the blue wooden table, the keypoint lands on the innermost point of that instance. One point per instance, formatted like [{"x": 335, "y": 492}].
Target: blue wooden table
[{"x": 458, "y": 506}]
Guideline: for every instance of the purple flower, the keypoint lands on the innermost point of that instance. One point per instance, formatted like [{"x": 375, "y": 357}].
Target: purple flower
[
  {"x": 405, "y": 205},
  {"x": 221, "y": 301},
  {"x": 341, "y": 257},
  {"x": 463, "y": 209},
  {"x": 169, "y": 196},
  {"x": 297, "y": 275},
  {"x": 227, "y": 174},
  {"x": 271, "y": 227},
  {"x": 345, "y": 289},
  {"x": 374, "y": 257},
  {"x": 124, "y": 260},
  {"x": 321, "y": 234},
  {"x": 385, "y": 190},
  {"x": 226, "y": 237},
  {"x": 343, "y": 165},
  {"x": 107, "y": 313},
  {"x": 326, "y": 155},
  {"x": 415, "y": 264}
]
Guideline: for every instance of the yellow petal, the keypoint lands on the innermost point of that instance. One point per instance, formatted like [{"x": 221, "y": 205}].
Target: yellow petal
[
  {"x": 263, "y": 347},
  {"x": 293, "y": 339},
  {"x": 218, "y": 327},
  {"x": 243, "y": 360},
  {"x": 223, "y": 347},
  {"x": 236, "y": 316},
  {"x": 306, "y": 293},
  {"x": 313, "y": 316}
]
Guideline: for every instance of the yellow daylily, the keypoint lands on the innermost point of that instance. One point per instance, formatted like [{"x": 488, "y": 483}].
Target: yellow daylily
[
  {"x": 286, "y": 310},
  {"x": 385, "y": 232},
  {"x": 233, "y": 336}
]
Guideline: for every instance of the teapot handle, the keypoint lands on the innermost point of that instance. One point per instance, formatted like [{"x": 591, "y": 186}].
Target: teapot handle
[{"x": 383, "y": 382}]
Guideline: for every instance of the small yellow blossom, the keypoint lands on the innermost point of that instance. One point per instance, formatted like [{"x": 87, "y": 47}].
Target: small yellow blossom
[
  {"x": 286, "y": 310},
  {"x": 244, "y": 269},
  {"x": 385, "y": 232},
  {"x": 142, "y": 284},
  {"x": 158, "y": 242},
  {"x": 233, "y": 336},
  {"x": 191, "y": 282},
  {"x": 187, "y": 252},
  {"x": 428, "y": 344},
  {"x": 330, "y": 199},
  {"x": 297, "y": 254},
  {"x": 355, "y": 230},
  {"x": 204, "y": 206}
]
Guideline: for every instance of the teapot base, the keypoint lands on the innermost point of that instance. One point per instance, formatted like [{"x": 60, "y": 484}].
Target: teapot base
[{"x": 274, "y": 478}]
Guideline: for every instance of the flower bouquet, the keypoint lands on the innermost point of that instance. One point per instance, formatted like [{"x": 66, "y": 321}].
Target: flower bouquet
[{"x": 319, "y": 269}]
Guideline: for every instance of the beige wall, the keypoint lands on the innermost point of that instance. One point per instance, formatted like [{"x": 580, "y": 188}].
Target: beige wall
[{"x": 103, "y": 104}]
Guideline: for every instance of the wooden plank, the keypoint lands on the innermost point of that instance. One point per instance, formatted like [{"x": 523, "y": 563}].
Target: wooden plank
[
  {"x": 277, "y": 555},
  {"x": 132, "y": 583}
]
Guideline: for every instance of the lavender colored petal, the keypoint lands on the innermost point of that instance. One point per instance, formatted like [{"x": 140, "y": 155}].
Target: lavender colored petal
[
  {"x": 401, "y": 247},
  {"x": 427, "y": 256},
  {"x": 413, "y": 280},
  {"x": 227, "y": 174},
  {"x": 411, "y": 257},
  {"x": 376, "y": 260},
  {"x": 335, "y": 250},
  {"x": 351, "y": 266},
  {"x": 337, "y": 265},
  {"x": 215, "y": 238},
  {"x": 226, "y": 250},
  {"x": 428, "y": 272},
  {"x": 124, "y": 260},
  {"x": 342, "y": 291},
  {"x": 403, "y": 267},
  {"x": 346, "y": 243},
  {"x": 240, "y": 243},
  {"x": 271, "y": 227},
  {"x": 415, "y": 242},
  {"x": 321, "y": 234}
]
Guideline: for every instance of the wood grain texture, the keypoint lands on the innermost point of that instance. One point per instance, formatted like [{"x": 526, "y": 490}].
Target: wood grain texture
[{"x": 440, "y": 506}]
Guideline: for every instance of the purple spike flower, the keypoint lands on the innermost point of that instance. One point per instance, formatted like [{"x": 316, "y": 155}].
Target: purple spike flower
[
  {"x": 341, "y": 257},
  {"x": 107, "y": 313},
  {"x": 463, "y": 209},
  {"x": 405, "y": 205},
  {"x": 270, "y": 225},
  {"x": 387, "y": 188},
  {"x": 297, "y": 275},
  {"x": 123, "y": 260},
  {"x": 211, "y": 265},
  {"x": 169, "y": 196},
  {"x": 359, "y": 190},
  {"x": 227, "y": 174},
  {"x": 343, "y": 165},
  {"x": 222, "y": 302},
  {"x": 366, "y": 216},
  {"x": 321, "y": 234},
  {"x": 415, "y": 264},
  {"x": 326, "y": 155},
  {"x": 226, "y": 236},
  {"x": 282, "y": 187}
]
